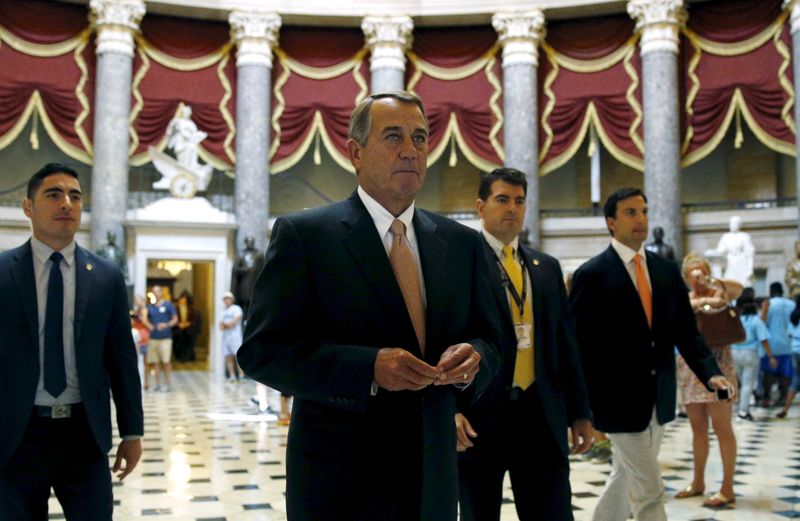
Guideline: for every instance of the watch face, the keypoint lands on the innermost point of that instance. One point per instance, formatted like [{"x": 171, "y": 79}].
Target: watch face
[{"x": 183, "y": 186}]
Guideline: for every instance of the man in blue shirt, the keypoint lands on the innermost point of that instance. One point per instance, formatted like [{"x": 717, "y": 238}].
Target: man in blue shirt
[
  {"x": 163, "y": 318},
  {"x": 776, "y": 313}
]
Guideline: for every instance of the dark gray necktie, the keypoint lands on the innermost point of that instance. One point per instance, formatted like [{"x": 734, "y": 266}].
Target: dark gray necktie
[{"x": 55, "y": 375}]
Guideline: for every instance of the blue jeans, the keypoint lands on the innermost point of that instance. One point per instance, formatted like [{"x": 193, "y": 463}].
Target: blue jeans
[{"x": 746, "y": 363}]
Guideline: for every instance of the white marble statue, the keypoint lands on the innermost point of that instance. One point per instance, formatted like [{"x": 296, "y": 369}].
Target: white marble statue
[
  {"x": 738, "y": 250},
  {"x": 187, "y": 175}
]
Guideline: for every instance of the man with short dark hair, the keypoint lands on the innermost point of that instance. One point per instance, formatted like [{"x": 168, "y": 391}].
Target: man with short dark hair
[
  {"x": 67, "y": 340},
  {"x": 776, "y": 312},
  {"x": 520, "y": 423},
  {"x": 374, "y": 315},
  {"x": 631, "y": 309}
]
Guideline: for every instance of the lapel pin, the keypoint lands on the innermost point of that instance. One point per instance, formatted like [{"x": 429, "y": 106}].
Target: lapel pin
[
  {"x": 89, "y": 266},
  {"x": 535, "y": 262}
]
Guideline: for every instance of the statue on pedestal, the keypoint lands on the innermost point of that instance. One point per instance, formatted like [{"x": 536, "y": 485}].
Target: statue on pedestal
[
  {"x": 739, "y": 252},
  {"x": 245, "y": 271},
  {"x": 659, "y": 247},
  {"x": 793, "y": 272},
  {"x": 114, "y": 253}
]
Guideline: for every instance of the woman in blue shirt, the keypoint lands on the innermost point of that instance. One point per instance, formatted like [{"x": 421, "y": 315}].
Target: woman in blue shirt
[{"x": 794, "y": 338}]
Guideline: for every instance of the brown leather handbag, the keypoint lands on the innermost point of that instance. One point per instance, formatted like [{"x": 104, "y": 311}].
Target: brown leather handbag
[{"x": 720, "y": 326}]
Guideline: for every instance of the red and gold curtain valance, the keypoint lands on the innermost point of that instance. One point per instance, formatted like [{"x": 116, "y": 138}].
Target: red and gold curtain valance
[
  {"x": 319, "y": 75},
  {"x": 456, "y": 71},
  {"x": 47, "y": 75},
  {"x": 174, "y": 66},
  {"x": 737, "y": 61},
  {"x": 589, "y": 75}
]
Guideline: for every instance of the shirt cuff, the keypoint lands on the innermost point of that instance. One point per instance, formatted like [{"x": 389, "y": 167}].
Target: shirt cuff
[{"x": 373, "y": 390}]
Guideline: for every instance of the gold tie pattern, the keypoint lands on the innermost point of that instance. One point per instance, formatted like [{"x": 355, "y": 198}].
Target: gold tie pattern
[
  {"x": 644, "y": 290},
  {"x": 524, "y": 374},
  {"x": 405, "y": 270}
]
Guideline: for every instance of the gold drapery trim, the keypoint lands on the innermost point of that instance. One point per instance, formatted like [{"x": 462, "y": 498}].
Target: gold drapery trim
[
  {"x": 41, "y": 50},
  {"x": 320, "y": 73},
  {"x": 739, "y": 104},
  {"x": 279, "y": 108},
  {"x": 19, "y": 126},
  {"x": 183, "y": 64},
  {"x": 596, "y": 65},
  {"x": 551, "y": 104},
  {"x": 494, "y": 81},
  {"x": 743, "y": 47},
  {"x": 693, "y": 90},
  {"x": 559, "y": 160},
  {"x": 630, "y": 96},
  {"x": 317, "y": 128},
  {"x": 137, "y": 107},
  {"x": 223, "y": 109},
  {"x": 455, "y": 73},
  {"x": 786, "y": 111},
  {"x": 82, "y": 99},
  {"x": 453, "y": 131}
]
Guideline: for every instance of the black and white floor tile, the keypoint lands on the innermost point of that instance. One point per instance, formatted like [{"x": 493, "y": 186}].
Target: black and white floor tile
[{"x": 208, "y": 456}]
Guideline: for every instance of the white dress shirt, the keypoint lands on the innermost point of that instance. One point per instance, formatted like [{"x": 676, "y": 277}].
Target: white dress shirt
[
  {"x": 41, "y": 270},
  {"x": 627, "y": 254},
  {"x": 383, "y": 221}
]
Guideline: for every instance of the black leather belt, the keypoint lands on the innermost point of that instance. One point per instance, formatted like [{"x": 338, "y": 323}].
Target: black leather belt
[{"x": 57, "y": 412}]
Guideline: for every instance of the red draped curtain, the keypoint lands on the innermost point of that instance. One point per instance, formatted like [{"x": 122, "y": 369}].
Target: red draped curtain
[
  {"x": 319, "y": 75},
  {"x": 736, "y": 60},
  {"x": 456, "y": 71},
  {"x": 589, "y": 77},
  {"x": 47, "y": 75}
]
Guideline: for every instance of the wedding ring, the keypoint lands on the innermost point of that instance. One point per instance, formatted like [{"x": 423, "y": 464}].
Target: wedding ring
[{"x": 465, "y": 376}]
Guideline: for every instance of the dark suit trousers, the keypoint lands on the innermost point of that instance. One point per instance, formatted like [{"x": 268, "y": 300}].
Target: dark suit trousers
[
  {"x": 515, "y": 437},
  {"x": 62, "y": 454}
]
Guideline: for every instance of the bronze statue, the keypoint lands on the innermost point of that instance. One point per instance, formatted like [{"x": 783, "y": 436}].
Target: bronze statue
[
  {"x": 114, "y": 253},
  {"x": 245, "y": 271},
  {"x": 659, "y": 247}
]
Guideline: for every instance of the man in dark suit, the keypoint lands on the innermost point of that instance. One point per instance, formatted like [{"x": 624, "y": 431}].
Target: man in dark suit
[
  {"x": 520, "y": 423},
  {"x": 631, "y": 309},
  {"x": 66, "y": 344},
  {"x": 372, "y": 313}
]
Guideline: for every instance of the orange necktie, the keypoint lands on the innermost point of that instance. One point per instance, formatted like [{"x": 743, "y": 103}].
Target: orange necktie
[
  {"x": 405, "y": 270},
  {"x": 644, "y": 290}
]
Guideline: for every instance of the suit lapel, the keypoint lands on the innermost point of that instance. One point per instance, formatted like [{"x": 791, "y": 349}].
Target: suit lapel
[
  {"x": 367, "y": 251},
  {"x": 658, "y": 283},
  {"x": 84, "y": 279},
  {"x": 25, "y": 281},
  {"x": 621, "y": 278},
  {"x": 537, "y": 292},
  {"x": 496, "y": 282},
  {"x": 433, "y": 256}
]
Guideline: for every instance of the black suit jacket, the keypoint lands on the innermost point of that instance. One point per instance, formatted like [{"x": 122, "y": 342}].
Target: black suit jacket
[
  {"x": 106, "y": 357},
  {"x": 629, "y": 367},
  {"x": 325, "y": 302},
  {"x": 559, "y": 376}
]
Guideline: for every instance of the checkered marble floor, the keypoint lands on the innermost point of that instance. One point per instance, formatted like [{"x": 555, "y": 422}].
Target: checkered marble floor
[{"x": 209, "y": 456}]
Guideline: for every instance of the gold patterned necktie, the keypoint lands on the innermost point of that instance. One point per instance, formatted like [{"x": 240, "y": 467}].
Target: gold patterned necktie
[
  {"x": 524, "y": 374},
  {"x": 644, "y": 290},
  {"x": 405, "y": 270}
]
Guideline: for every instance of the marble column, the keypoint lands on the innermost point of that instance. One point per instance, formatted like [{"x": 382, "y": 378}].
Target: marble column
[
  {"x": 659, "y": 22},
  {"x": 519, "y": 34},
  {"x": 115, "y": 21},
  {"x": 387, "y": 37},
  {"x": 255, "y": 35},
  {"x": 794, "y": 5}
]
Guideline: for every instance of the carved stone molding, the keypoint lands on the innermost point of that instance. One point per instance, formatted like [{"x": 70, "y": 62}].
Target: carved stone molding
[
  {"x": 387, "y": 37},
  {"x": 255, "y": 35},
  {"x": 519, "y": 34},
  {"x": 660, "y": 22},
  {"x": 116, "y": 22}
]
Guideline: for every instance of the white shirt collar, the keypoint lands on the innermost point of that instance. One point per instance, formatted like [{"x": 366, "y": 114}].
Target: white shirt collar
[
  {"x": 627, "y": 254},
  {"x": 383, "y": 219},
  {"x": 42, "y": 252},
  {"x": 497, "y": 244}
]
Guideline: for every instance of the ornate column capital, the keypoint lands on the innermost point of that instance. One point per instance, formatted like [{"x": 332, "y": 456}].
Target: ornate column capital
[
  {"x": 794, "y": 17},
  {"x": 116, "y": 22},
  {"x": 387, "y": 37},
  {"x": 660, "y": 22},
  {"x": 519, "y": 34},
  {"x": 255, "y": 34}
]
